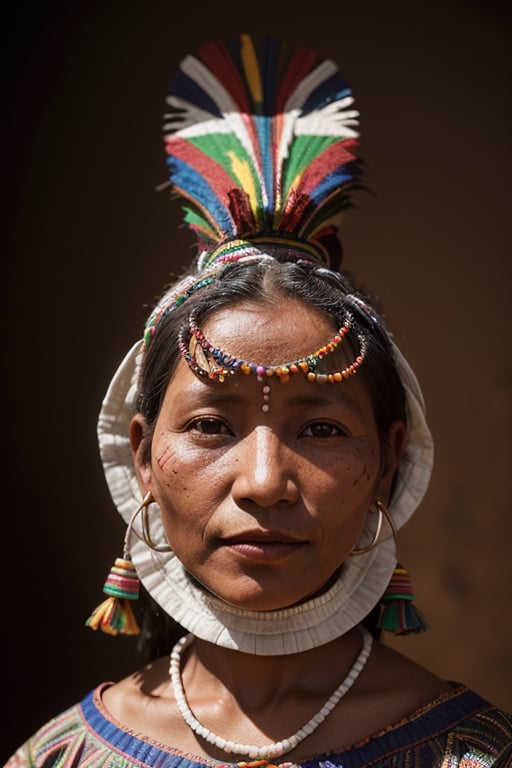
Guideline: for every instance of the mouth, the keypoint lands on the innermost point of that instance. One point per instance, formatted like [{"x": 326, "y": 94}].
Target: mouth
[{"x": 264, "y": 545}]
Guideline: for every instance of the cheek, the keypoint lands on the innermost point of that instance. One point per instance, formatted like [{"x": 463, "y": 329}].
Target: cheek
[
  {"x": 184, "y": 478},
  {"x": 169, "y": 471},
  {"x": 354, "y": 477}
]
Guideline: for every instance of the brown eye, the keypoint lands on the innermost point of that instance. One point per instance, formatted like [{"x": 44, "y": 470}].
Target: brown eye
[
  {"x": 210, "y": 427},
  {"x": 321, "y": 429}
]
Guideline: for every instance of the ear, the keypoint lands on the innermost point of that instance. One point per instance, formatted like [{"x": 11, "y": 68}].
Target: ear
[
  {"x": 393, "y": 450},
  {"x": 141, "y": 452}
]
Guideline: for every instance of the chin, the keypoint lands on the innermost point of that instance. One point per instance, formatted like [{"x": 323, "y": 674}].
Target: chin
[
  {"x": 271, "y": 600},
  {"x": 259, "y": 594}
]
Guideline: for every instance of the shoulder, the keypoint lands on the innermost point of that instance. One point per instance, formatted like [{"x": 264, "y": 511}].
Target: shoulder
[
  {"x": 457, "y": 729},
  {"x": 149, "y": 685},
  {"x": 427, "y": 720},
  {"x": 402, "y": 703},
  {"x": 50, "y": 742},
  {"x": 104, "y": 717},
  {"x": 396, "y": 686}
]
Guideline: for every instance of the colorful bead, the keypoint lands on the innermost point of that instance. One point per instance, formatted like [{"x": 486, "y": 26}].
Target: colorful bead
[{"x": 266, "y": 397}]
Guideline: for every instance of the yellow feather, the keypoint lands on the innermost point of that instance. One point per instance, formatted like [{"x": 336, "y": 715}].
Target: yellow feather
[
  {"x": 242, "y": 171},
  {"x": 252, "y": 71}
]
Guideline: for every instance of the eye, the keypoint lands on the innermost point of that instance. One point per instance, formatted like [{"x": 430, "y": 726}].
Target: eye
[
  {"x": 210, "y": 426},
  {"x": 322, "y": 429}
]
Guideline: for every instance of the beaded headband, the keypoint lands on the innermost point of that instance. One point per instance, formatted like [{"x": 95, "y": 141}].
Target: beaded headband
[{"x": 206, "y": 360}]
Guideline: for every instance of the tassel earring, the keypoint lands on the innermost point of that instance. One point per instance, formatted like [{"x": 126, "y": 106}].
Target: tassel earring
[
  {"x": 115, "y": 615},
  {"x": 399, "y": 614}
]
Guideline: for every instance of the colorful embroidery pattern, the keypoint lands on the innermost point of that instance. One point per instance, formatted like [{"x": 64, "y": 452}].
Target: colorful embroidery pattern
[{"x": 458, "y": 730}]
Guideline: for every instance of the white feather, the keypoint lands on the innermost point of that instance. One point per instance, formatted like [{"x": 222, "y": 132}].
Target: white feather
[
  {"x": 306, "y": 86},
  {"x": 332, "y": 120}
]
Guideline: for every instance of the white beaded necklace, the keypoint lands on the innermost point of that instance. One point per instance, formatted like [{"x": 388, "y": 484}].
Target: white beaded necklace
[{"x": 277, "y": 748}]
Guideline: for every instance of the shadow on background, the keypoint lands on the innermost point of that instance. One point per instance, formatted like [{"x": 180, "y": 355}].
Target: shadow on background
[{"x": 91, "y": 245}]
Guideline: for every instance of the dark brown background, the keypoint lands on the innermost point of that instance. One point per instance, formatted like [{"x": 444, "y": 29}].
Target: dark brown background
[{"x": 90, "y": 245}]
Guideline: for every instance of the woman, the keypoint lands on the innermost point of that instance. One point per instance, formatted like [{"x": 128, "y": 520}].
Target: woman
[{"x": 263, "y": 442}]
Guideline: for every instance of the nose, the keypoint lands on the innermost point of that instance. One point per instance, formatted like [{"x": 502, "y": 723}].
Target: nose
[{"x": 266, "y": 471}]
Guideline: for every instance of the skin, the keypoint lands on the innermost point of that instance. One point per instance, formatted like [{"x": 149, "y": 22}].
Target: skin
[{"x": 262, "y": 509}]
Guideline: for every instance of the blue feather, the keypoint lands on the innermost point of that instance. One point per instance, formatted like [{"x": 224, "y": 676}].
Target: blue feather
[{"x": 187, "y": 178}]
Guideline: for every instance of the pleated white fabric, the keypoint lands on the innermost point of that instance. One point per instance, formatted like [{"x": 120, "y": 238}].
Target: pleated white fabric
[{"x": 362, "y": 579}]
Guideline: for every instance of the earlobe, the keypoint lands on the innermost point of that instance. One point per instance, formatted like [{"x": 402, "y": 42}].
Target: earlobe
[{"x": 140, "y": 453}]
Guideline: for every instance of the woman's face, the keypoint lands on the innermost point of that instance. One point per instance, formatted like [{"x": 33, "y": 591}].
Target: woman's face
[{"x": 262, "y": 508}]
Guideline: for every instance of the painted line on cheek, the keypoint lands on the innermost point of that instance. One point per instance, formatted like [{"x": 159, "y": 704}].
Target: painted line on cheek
[
  {"x": 164, "y": 458},
  {"x": 365, "y": 475}
]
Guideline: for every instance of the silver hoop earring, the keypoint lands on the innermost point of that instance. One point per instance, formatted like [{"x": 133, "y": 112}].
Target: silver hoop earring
[
  {"x": 383, "y": 513},
  {"x": 146, "y": 534}
]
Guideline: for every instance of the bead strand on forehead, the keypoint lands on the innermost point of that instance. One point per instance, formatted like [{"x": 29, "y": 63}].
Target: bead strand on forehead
[{"x": 207, "y": 360}]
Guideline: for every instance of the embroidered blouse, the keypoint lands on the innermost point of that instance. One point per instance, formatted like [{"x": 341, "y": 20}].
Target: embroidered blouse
[{"x": 457, "y": 730}]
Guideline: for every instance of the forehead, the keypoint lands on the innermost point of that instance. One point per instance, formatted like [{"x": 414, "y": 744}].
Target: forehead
[{"x": 269, "y": 334}]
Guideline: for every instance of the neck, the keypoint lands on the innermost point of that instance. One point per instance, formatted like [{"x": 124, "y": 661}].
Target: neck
[{"x": 258, "y": 678}]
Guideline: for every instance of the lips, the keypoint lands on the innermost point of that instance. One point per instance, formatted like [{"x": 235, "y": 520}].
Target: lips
[{"x": 264, "y": 545}]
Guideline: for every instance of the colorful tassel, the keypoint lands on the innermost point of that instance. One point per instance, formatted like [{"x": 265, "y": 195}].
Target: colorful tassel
[
  {"x": 114, "y": 615},
  {"x": 399, "y": 614}
]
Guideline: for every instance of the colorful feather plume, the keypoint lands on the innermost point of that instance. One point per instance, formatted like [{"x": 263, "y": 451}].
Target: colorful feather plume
[{"x": 261, "y": 140}]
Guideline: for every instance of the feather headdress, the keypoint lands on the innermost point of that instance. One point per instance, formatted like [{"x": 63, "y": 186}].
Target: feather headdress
[{"x": 261, "y": 141}]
